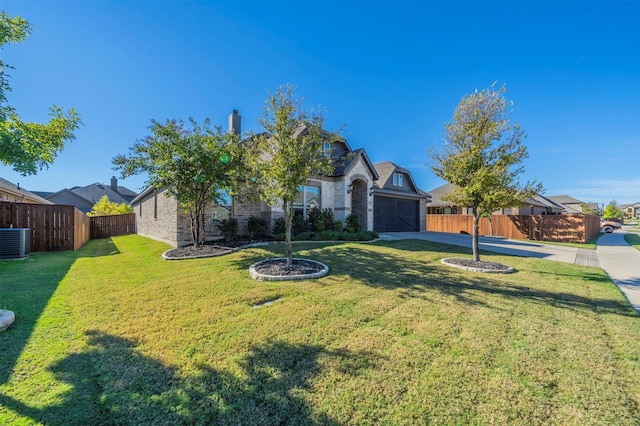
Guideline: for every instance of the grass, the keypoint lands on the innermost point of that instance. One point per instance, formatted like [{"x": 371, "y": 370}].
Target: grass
[
  {"x": 112, "y": 334},
  {"x": 633, "y": 240},
  {"x": 589, "y": 245}
]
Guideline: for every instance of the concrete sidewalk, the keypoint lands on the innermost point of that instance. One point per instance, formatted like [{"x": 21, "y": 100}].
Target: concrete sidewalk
[
  {"x": 622, "y": 263},
  {"x": 499, "y": 245},
  {"x": 619, "y": 260}
]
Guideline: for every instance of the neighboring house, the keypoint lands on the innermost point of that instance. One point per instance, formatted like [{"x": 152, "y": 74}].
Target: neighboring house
[
  {"x": 83, "y": 198},
  {"x": 537, "y": 205},
  {"x": 13, "y": 193},
  {"x": 570, "y": 204},
  {"x": 399, "y": 205},
  {"x": 354, "y": 187},
  {"x": 631, "y": 211}
]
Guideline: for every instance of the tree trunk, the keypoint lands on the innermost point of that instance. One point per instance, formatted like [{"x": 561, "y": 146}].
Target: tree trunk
[
  {"x": 474, "y": 241},
  {"x": 288, "y": 220},
  {"x": 490, "y": 225},
  {"x": 193, "y": 215}
]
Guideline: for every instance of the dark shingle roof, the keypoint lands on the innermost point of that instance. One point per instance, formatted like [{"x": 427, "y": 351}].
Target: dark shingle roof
[{"x": 96, "y": 191}]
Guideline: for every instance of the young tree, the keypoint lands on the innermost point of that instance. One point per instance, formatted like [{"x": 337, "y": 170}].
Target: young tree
[
  {"x": 195, "y": 165},
  {"x": 612, "y": 211},
  {"x": 482, "y": 156},
  {"x": 287, "y": 153},
  {"x": 29, "y": 147},
  {"x": 105, "y": 207}
]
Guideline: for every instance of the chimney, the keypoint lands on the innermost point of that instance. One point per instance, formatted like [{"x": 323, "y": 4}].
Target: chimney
[
  {"x": 234, "y": 123},
  {"x": 114, "y": 184}
]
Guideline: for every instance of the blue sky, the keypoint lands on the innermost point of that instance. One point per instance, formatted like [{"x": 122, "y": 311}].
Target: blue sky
[{"x": 391, "y": 72}]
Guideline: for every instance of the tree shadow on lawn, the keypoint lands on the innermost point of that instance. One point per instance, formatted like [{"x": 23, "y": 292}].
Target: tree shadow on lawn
[
  {"x": 26, "y": 288},
  {"x": 418, "y": 277},
  {"x": 113, "y": 383}
]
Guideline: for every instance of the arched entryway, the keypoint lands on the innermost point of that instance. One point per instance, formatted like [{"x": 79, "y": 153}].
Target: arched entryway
[{"x": 359, "y": 201}]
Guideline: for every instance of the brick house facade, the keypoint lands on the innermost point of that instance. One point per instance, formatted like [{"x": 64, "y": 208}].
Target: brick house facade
[{"x": 348, "y": 190}]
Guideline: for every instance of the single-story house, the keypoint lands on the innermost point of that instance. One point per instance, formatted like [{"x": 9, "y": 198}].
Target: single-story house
[
  {"x": 383, "y": 196},
  {"x": 14, "y": 194},
  {"x": 537, "y": 205},
  {"x": 572, "y": 205}
]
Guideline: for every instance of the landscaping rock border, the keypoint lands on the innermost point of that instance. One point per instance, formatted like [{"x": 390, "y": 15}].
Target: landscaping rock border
[
  {"x": 273, "y": 269},
  {"x": 477, "y": 266},
  {"x": 6, "y": 319}
]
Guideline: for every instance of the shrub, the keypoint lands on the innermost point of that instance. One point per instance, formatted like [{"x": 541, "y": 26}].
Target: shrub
[
  {"x": 298, "y": 225},
  {"x": 256, "y": 226},
  {"x": 229, "y": 228},
  {"x": 353, "y": 223},
  {"x": 278, "y": 227},
  {"x": 314, "y": 217},
  {"x": 328, "y": 220},
  {"x": 338, "y": 226}
]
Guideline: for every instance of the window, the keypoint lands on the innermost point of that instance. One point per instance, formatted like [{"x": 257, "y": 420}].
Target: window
[
  {"x": 308, "y": 197},
  {"x": 222, "y": 207},
  {"x": 326, "y": 149},
  {"x": 397, "y": 179}
]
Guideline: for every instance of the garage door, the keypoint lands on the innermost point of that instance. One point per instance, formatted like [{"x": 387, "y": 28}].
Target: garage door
[{"x": 395, "y": 215}]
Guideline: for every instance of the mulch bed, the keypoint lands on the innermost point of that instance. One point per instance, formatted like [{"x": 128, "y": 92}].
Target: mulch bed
[
  {"x": 278, "y": 267},
  {"x": 478, "y": 266},
  {"x": 209, "y": 249}
]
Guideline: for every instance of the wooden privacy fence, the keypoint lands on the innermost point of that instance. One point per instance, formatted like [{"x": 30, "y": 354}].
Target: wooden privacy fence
[
  {"x": 113, "y": 226},
  {"x": 51, "y": 227},
  {"x": 54, "y": 227},
  {"x": 574, "y": 228}
]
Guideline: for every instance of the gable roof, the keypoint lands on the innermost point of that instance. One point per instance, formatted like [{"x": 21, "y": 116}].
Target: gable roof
[
  {"x": 15, "y": 190},
  {"x": 569, "y": 203},
  {"x": 385, "y": 170},
  {"x": 97, "y": 190},
  {"x": 345, "y": 162},
  {"x": 564, "y": 199}
]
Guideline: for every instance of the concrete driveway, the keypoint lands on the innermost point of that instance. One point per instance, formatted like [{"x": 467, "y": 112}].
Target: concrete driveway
[
  {"x": 619, "y": 260},
  {"x": 622, "y": 263},
  {"x": 498, "y": 245}
]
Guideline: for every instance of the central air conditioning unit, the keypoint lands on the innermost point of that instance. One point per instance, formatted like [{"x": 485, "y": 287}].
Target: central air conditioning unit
[{"x": 15, "y": 243}]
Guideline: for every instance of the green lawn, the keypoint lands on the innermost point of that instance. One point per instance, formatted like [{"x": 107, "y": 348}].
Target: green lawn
[
  {"x": 112, "y": 334},
  {"x": 633, "y": 240}
]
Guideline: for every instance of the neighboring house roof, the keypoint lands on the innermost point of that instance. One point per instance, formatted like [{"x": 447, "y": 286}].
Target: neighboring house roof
[
  {"x": 625, "y": 206},
  {"x": 439, "y": 192},
  {"x": 21, "y": 193},
  {"x": 564, "y": 199},
  {"x": 96, "y": 191},
  {"x": 570, "y": 204},
  {"x": 43, "y": 194},
  {"x": 542, "y": 201},
  {"x": 69, "y": 197}
]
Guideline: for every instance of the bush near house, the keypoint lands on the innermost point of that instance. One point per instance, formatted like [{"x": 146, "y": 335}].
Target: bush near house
[{"x": 320, "y": 225}]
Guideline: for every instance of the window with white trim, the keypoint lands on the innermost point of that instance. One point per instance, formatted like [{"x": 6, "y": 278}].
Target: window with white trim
[
  {"x": 397, "y": 179},
  {"x": 308, "y": 197}
]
